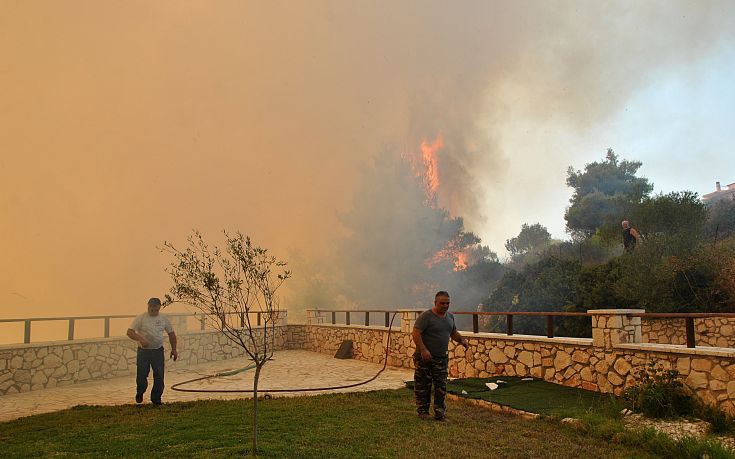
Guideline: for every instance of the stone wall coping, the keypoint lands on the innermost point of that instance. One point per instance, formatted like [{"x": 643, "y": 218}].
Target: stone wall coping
[
  {"x": 678, "y": 349},
  {"x": 534, "y": 338},
  {"x": 10, "y": 347},
  {"x": 470, "y": 335},
  {"x": 615, "y": 311},
  {"x": 353, "y": 326}
]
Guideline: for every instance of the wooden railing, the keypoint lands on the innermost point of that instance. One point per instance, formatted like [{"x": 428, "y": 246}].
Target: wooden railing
[
  {"x": 348, "y": 314},
  {"x": 201, "y": 317},
  {"x": 509, "y": 319},
  {"x": 688, "y": 317},
  {"x": 688, "y": 320}
]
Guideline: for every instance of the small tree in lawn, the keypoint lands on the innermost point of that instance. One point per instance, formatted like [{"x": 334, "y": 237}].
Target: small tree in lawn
[{"x": 227, "y": 285}]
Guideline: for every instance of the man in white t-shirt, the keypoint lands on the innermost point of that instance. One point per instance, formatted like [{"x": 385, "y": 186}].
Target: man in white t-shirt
[{"x": 147, "y": 329}]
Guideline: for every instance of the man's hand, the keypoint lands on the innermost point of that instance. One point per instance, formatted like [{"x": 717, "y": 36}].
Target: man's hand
[
  {"x": 174, "y": 354},
  {"x": 426, "y": 355}
]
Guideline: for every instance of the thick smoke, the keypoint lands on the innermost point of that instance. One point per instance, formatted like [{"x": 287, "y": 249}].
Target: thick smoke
[{"x": 125, "y": 125}]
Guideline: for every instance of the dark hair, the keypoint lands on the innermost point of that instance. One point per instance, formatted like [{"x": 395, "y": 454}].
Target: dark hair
[
  {"x": 441, "y": 293},
  {"x": 154, "y": 302}
]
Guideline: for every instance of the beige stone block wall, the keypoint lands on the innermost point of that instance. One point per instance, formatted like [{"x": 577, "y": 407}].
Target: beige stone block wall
[
  {"x": 712, "y": 332},
  {"x": 573, "y": 362},
  {"x": 26, "y": 367}
]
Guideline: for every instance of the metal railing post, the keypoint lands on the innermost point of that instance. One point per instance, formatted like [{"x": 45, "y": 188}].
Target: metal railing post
[
  {"x": 70, "y": 335},
  {"x": 387, "y": 319},
  {"x": 27, "y": 332},
  {"x": 107, "y": 327},
  {"x": 202, "y": 321},
  {"x": 475, "y": 323},
  {"x": 690, "y": 332},
  {"x": 367, "y": 318},
  {"x": 549, "y": 326},
  {"x": 334, "y": 317},
  {"x": 259, "y": 319},
  {"x": 509, "y": 326},
  {"x": 347, "y": 317}
]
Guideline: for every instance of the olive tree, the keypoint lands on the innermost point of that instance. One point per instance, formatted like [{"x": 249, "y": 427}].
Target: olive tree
[{"x": 228, "y": 286}]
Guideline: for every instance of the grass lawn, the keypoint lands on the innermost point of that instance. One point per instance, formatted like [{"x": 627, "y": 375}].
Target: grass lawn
[
  {"x": 373, "y": 424},
  {"x": 536, "y": 396}
]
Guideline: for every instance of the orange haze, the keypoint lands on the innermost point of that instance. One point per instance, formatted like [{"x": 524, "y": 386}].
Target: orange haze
[{"x": 125, "y": 124}]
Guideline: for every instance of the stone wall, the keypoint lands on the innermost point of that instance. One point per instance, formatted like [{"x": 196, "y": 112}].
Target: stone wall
[
  {"x": 711, "y": 331},
  {"x": 608, "y": 363},
  {"x": 25, "y": 367}
]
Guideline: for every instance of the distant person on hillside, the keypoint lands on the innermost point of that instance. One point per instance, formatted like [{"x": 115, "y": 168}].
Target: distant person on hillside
[
  {"x": 631, "y": 238},
  {"x": 431, "y": 334},
  {"x": 147, "y": 329}
]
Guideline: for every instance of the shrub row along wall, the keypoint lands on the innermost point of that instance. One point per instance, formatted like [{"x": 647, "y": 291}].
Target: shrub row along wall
[
  {"x": 607, "y": 363},
  {"x": 25, "y": 367},
  {"x": 714, "y": 331}
]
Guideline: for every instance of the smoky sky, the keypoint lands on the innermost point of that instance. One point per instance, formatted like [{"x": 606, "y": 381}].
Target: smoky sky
[{"x": 125, "y": 124}]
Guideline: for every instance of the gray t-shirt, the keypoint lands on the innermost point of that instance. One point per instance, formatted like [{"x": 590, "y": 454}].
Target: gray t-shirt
[
  {"x": 435, "y": 331},
  {"x": 152, "y": 328}
]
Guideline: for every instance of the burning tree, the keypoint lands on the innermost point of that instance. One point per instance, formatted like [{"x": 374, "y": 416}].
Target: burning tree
[{"x": 227, "y": 286}]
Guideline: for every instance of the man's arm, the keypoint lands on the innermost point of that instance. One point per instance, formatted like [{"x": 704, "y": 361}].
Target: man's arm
[
  {"x": 637, "y": 236},
  {"x": 172, "y": 340},
  {"x": 425, "y": 354},
  {"x": 135, "y": 336},
  {"x": 459, "y": 338}
]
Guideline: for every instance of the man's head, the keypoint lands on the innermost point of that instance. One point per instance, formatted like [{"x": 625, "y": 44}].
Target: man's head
[
  {"x": 626, "y": 224},
  {"x": 154, "y": 305},
  {"x": 441, "y": 302}
]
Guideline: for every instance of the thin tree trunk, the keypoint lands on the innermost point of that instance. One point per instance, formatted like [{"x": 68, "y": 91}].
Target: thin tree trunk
[{"x": 255, "y": 408}]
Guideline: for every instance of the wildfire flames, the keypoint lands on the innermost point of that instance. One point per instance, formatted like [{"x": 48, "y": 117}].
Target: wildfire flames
[
  {"x": 431, "y": 177},
  {"x": 429, "y": 173},
  {"x": 450, "y": 252}
]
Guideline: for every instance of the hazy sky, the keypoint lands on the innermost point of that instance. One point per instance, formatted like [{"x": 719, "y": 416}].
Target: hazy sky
[{"x": 124, "y": 124}]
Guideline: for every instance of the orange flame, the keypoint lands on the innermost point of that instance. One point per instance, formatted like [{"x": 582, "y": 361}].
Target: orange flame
[
  {"x": 450, "y": 252},
  {"x": 460, "y": 263},
  {"x": 428, "y": 154}
]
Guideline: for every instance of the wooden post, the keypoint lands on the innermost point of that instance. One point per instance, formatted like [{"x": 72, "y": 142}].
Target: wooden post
[
  {"x": 367, "y": 318},
  {"x": 259, "y": 319},
  {"x": 334, "y": 317},
  {"x": 387, "y": 319},
  {"x": 27, "y": 332},
  {"x": 70, "y": 335},
  {"x": 509, "y": 320},
  {"x": 242, "y": 320},
  {"x": 347, "y": 317},
  {"x": 549, "y": 326},
  {"x": 690, "y": 332},
  {"x": 107, "y": 327}
]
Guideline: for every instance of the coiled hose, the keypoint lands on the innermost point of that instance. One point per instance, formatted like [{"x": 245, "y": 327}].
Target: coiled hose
[{"x": 178, "y": 386}]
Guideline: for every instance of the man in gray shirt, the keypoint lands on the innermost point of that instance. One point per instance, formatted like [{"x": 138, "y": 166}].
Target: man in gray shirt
[
  {"x": 147, "y": 329},
  {"x": 431, "y": 334}
]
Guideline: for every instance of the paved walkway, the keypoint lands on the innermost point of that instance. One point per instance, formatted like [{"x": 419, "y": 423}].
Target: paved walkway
[{"x": 289, "y": 369}]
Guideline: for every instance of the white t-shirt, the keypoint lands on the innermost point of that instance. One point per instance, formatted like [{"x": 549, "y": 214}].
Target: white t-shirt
[{"x": 152, "y": 328}]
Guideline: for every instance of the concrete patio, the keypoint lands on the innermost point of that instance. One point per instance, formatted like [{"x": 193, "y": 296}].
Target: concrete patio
[{"x": 289, "y": 369}]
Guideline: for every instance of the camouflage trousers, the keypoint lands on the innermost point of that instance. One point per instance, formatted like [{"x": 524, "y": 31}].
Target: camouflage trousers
[{"x": 427, "y": 373}]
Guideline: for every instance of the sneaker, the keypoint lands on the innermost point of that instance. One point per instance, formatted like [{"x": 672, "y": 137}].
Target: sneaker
[
  {"x": 138, "y": 398},
  {"x": 441, "y": 418},
  {"x": 424, "y": 416},
  {"x": 157, "y": 402}
]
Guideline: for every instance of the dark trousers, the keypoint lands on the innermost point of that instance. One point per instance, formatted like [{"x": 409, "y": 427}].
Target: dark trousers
[
  {"x": 425, "y": 375},
  {"x": 147, "y": 359}
]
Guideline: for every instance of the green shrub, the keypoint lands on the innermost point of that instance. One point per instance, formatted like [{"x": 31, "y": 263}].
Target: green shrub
[
  {"x": 721, "y": 421},
  {"x": 659, "y": 394}
]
